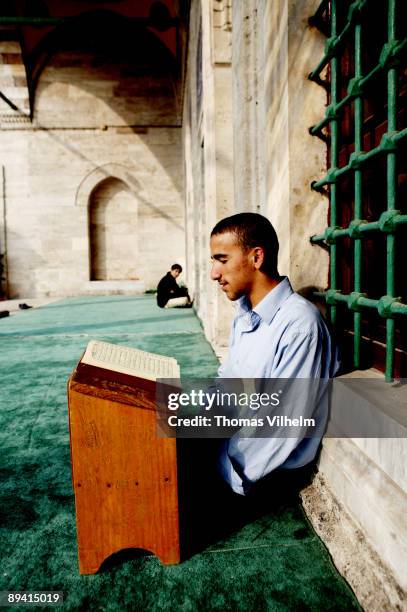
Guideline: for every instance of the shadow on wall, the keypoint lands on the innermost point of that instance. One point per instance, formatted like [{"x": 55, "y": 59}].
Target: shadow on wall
[
  {"x": 122, "y": 226},
  {"x": 113, "y": 235},
  {"x": 127, "y": 176},
  {"x": 119, "y": 76},
  {"x": 345, "y": 350},
  {"x": 129, "y": 84},
  {"x": 24, "y": 256},
  {"x": 308, "y": 293}
]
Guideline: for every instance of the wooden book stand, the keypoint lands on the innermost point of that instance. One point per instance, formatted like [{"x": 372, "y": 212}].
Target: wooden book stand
[{"x": 124, "y": 476}]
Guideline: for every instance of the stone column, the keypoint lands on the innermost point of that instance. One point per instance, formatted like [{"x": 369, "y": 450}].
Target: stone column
[
  {"x": 294, "y": 157},
  {"x": 208, "y": 155},
  {"x": 276, "y": 159}
]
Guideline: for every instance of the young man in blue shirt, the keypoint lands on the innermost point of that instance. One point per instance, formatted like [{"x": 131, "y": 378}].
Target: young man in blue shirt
[{"x": 276, "y": 334}]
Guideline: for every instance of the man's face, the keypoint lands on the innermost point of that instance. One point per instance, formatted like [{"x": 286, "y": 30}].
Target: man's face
[
  {"x": 231, "y": 266},
  {"x": 175, "y": 273}
]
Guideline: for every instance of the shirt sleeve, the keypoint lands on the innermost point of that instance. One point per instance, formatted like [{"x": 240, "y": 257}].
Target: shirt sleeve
[
  {"x": 243, "y": 461},
  {"x": 222, "y": 369}
]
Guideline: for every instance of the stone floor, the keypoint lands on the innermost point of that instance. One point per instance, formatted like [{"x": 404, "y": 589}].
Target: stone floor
[{"x": 13, "y": 305}]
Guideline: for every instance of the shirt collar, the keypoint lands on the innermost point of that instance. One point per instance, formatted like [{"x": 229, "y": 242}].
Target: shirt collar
[{"x": 269, "y": 305}]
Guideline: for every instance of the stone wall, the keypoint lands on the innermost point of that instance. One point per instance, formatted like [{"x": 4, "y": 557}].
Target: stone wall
[
  {"x": 247, "y": 110},
  {"x": 274, "y": 49},
  {"x": 94, "y": 120},
  {"x": 208, "y": 154}
]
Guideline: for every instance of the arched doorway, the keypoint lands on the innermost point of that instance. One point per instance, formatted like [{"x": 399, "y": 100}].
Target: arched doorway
[{"x": 113, "y": 232}]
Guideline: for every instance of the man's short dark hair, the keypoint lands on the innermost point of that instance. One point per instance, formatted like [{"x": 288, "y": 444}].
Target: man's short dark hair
[
  {"x": 176, "y": 267},
  {"x": 253, "y": 230}
]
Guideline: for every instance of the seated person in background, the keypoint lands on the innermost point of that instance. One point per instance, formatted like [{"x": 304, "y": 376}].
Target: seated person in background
[{"x": 169, "y": 293}]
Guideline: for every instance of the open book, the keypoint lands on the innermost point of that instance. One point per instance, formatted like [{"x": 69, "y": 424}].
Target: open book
[{"x": 131, "y": 361}]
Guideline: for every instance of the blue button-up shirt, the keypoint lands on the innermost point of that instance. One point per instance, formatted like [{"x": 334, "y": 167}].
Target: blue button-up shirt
[{"x": 284, "y": 336}]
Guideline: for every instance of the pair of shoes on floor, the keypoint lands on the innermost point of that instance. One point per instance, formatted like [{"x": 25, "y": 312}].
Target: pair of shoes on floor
[
  {"x": 24, "y": 306},
  {"x": 4, "y": 313}
]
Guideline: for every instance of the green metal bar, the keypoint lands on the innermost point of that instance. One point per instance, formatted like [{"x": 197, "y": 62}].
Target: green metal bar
[
  {"x": 385, "y": 224},
  {"x": 386, "y": 306},
  {"x": 365, "y": 80},
  {"x": 334, "y": 154},
  {"x": 358, "y": 84},
  {"x": 391, "y": 191},
  {"x": 342, "y": 298},
  {"x": 399, "y": 136},
  {"x": 367, "y": 302},
  {"x": 357, "y": 316},
  {"x": 332, "y": 45},
  {"x": 399, "y": 308},
  {"x": 361, "y": 84},
  {"x": 388, "y": 143}
]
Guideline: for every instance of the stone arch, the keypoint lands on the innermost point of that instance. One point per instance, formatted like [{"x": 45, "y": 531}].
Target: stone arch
[
  {"x": 157, "y": 234},
  {"x": 73, "y": 73},
  {"x": 99, "y": 174},
  {"x": 113, "y": 235}
]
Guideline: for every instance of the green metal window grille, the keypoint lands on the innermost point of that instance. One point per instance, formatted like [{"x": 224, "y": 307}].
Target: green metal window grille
[{"x": 389, "y": 223}]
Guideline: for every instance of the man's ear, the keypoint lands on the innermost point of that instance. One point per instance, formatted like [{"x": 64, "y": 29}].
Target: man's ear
[{"x": 258, "y": 257}]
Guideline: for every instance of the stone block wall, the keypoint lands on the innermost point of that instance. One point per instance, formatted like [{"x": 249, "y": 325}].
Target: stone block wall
[
  {"x": 247, "y": 110},
  {"x": 274, "y": 49},
  {"x": 92, "y": 123},
  {"x": 208, "y": 156}
]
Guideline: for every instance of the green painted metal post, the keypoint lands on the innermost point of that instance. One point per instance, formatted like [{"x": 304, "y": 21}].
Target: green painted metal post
[
  {"x": 334, "y": 153},
  {"x": 391, "y": 190},
  {"x": 357, "y": 317},
  {"x": 387, "y": 306}
]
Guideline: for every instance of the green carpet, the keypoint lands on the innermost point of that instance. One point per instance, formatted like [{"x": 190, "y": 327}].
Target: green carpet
[{"x": 275, "y": 563}]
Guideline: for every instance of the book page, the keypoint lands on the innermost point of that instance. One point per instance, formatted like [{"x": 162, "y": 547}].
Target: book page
[{"x": 130, "y": 361}]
